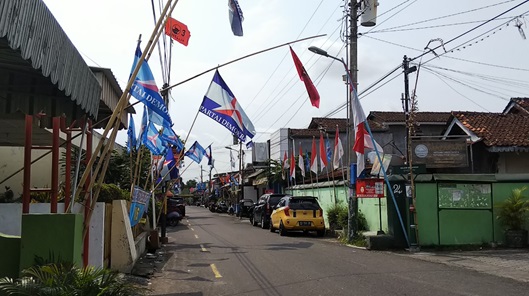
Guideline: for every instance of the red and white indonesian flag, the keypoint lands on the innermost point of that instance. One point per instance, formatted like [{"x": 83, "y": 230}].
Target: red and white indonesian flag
[
  {"x": 362, "y": 138},
  {"x": 292, "y": 166},
  {"x": 313, "y": 163},
  {"x": 301, "y": 163},
  {"x": 323, "y": 153},
  {"x": 338, "y": 150}
]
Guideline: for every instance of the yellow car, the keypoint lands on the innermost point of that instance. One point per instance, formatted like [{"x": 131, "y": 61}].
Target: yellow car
[{"x": 297, "y": 213}]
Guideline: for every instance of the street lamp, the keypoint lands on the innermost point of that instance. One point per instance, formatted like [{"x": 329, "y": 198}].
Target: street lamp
[
  {"x": 353, "y": 203},
  {"x": 240, "y": 154}
]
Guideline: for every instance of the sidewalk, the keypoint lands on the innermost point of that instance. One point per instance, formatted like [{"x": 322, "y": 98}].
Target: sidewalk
[{"x": 508, "y": 263}]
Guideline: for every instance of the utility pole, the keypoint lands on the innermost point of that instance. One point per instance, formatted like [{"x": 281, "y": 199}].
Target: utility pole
[
  {"x": 409, "y": 131},
  {"x": 353, "y": 58},
  {"x": 241, "y": 180}
]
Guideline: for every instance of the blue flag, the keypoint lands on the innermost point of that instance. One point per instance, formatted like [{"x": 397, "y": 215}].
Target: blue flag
[
  {"x": 143, "y": 127},
  {"x": 169, "y": 136},
  {"x": 131, "y": 134},
  {"x": 236, "y": 17},
  {"x": 153, "y": 141},
  {"x": 196, "y": 152},
  {"x": 220, "y": 104},
  {"x": 209, "y": 155},
  {"x": 307, "y": 162},
  {"x": 328, "y": 150},
  {"x": 170, "y": 164},
  {"x": 145, "y": 90}
]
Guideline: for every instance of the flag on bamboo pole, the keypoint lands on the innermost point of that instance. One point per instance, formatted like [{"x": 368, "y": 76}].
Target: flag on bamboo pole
[
  {"x": 209, "y": 155},
  {"x": 313, "y": 163},
  {"x": 338, "y": 150},
  {"x": 328, "y": 150},
  {"x": 314, "y": 96},
  {"x": 177, "y": 31},
  {"x": 131, "y": 134},
  {"x": 323, "y": 154},
  {"x": 196, "y": 152},
  {"x": 145, "y": 90},
  {"x": 292, "y": 166},
  {"x": 152, "y": 140},
  {"x": 170, "y": 137},
  {"x": 301, "y": 163},
  {"x": 236, "y": 17},
  {"x": 143, "y": 127},
  {"x": 362, "y": 137},
  {"x": 220, "y": 104}
]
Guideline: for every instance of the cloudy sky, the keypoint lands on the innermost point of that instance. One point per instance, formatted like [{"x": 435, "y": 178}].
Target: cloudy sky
[{"x": 480, "y": 64}]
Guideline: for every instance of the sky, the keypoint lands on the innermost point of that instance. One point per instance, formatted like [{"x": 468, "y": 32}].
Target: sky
[{"x": 476, "y": 64}]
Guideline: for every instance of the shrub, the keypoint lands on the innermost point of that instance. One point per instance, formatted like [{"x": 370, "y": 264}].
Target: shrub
[
  {"x": 110, "y": 192},
  {"x": 67, "y": 279}
]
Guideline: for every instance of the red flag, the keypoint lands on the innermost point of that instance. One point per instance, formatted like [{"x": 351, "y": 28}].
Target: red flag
[
  {"x": 311, "y": 89},
  {"x": 292, "y": 166},
  {"x": 338, "y": 150},
  {"x": 301, "y": 163},
  {"x": 362, "y": 138},
  {"x": 313, "y": 163},
  {"x": 177, "y": 31},
  {"x": 323, "y": 153}
]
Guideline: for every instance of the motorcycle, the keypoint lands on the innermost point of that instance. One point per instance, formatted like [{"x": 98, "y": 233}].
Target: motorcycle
[{"x": 173, "y": 218}]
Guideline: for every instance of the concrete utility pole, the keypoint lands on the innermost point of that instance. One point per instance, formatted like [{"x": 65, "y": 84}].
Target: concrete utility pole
[{"x": 353, "y": 66}]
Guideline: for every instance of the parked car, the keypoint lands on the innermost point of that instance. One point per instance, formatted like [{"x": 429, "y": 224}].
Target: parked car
[
  {"x": 246, "y": 208},
  {"x": 297, "y": 213},
  {"x": 264, "y": 207}
]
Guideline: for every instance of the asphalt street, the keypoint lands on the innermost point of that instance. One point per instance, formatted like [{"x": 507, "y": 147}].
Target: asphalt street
[{"x": 217, "y": 254}]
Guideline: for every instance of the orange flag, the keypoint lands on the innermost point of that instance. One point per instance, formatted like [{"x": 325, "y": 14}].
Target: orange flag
[{"x": 177, "y": 31}]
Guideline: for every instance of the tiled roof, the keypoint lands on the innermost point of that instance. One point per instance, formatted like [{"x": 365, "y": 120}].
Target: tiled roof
[
  {"x": 329, "y": 124},
  {"x": 517, "y": 105},
  {"x": 305, "y": 132},
  {"x": 399, "y": 117},
  {"x": 497, "y": 129}
]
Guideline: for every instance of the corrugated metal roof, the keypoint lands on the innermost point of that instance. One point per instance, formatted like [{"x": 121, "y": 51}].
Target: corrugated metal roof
[{"x": 32, "y": 31}]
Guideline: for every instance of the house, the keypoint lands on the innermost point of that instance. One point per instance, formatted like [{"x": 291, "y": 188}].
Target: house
[{"x": 499, "y": 142}]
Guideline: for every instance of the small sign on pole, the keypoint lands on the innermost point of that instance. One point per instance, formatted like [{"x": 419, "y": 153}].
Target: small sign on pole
[{"x": 366, "y": 188}]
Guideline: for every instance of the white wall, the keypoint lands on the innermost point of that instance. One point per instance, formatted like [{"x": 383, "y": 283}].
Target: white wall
[{"x": 11, "y": 223}]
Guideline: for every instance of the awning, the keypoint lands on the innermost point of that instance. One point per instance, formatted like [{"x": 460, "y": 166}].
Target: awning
[
  {"x": 255, "y": 174},
  {"x": 260, "y": 181}
]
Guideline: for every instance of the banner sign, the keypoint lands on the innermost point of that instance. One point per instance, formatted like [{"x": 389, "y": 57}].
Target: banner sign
[
  {"x": 369, "y": 188},
  {"x": 451, "y": 153},
  {"x": 140, "y": 198}
]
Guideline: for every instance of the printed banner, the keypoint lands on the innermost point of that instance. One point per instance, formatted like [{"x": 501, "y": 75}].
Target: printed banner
[{"x": 140, "y": 199}]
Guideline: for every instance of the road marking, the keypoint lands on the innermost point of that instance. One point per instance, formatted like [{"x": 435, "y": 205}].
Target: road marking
[
  {"x": 203, "y": 249},
  {"x": 215, "y": 271},
  {"x": 192, "y": 229},
  {"x": 196, "y": 236}
]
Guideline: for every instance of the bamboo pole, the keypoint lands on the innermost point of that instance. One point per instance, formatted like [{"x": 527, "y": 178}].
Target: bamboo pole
[
  {"x": 241, "y": 58},
  {"x": 121, "y": 103}
]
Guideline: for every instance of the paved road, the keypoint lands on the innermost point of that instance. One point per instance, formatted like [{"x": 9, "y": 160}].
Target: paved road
[{"x": 216, "y": 254}]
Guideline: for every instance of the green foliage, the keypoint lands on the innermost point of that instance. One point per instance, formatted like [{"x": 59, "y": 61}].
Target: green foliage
[
  {"x": 110, "y": 192},
  {"x": 67, "y": 279},
  {"x": 513, "y": 211},
  {"x": 338, "y": 217}
]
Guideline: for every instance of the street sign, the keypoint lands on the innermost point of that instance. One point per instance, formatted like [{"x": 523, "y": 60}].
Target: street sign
[{"x": 405, "y": 169}]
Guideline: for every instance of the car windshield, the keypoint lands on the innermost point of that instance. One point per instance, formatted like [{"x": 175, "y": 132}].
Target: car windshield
[
  {"x": 303, "y": 204},
  {"x": 274, "y": 199}
]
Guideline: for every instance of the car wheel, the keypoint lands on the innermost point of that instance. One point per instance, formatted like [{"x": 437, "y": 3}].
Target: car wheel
[
  {"x": 252, "y": 220},
  {"x": 320, "y": 233},
  {"x": 263, "y": 224},
  {"x": 282, "y": 230},
  {"x": 272, "y": 229}
]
